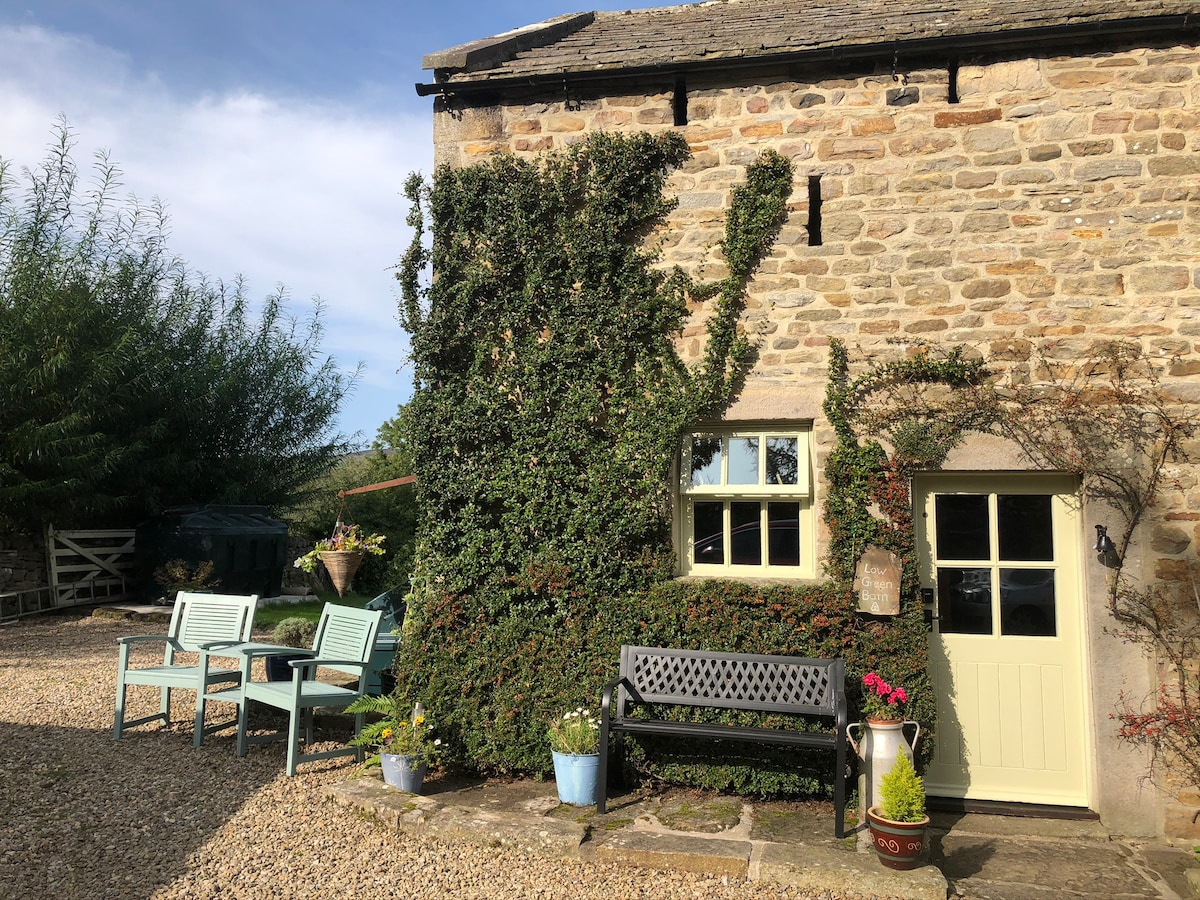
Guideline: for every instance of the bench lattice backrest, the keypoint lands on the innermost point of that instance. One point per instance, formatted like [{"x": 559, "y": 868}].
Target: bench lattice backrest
[{"x": 789, "y": 684}]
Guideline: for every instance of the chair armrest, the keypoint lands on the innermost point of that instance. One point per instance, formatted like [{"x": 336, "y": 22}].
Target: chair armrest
[
  {"x": 147, "y": 638},
  {"x": 314, "y": 663},
  {"x": 252, "y": 650},
  {"x": 213, "y": 646}
]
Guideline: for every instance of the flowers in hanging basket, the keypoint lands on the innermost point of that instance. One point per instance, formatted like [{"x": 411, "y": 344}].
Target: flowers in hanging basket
[
  {"x": 397, "y": 732},
  {"x": 576, "y": 733},
  {"x": 345, "y": 537},
  {"x": 881, "y": 700}
]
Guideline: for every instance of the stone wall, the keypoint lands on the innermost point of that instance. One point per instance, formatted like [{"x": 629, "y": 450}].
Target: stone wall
[
  {"x": 22, "y": 562},
  {"x": 1054, "y": 207},
  {"x": 1057, "y": 205}
]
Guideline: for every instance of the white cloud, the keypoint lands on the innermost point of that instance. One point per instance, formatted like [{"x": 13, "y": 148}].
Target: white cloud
[{"x": 276, "y": 190}]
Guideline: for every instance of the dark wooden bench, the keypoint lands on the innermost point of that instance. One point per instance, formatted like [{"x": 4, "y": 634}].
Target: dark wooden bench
[{"x": 744, "y": 681}]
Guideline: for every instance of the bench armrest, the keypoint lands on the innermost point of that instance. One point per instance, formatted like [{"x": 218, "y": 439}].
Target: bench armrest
[
  {"x": 606, "y": 698},
  {"x": 841, "y": 714}
]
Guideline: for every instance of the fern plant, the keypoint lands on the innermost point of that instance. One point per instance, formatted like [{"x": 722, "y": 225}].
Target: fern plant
[{"x": 902, "y": 793}]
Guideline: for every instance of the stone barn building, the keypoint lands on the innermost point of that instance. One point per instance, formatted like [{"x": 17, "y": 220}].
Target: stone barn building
[{"x": 1022, "y": 179}]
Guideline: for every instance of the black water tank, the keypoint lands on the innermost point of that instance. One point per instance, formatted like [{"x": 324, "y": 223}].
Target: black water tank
[{"x": 248, "y": 548}]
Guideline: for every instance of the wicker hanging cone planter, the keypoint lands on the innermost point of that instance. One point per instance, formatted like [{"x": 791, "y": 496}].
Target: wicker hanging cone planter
[{"x": 341, "y": 566}]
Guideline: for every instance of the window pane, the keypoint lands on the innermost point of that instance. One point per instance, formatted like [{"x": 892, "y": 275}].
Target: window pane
[
  {"x": 708, "y": 532},
  {"x": 706, "y": 460},
  {"x": 1027, "y": 602},
  {"x": 783, "y": 462},
  {"x": 743, "y": 461},
  {"x": 965, "y": 600},
  {"x": 746, "y": 537},
  {"x": 1025, "y": 527},
  {"x": 962, "y": 526},
  {"x": 783, "y": 534}
]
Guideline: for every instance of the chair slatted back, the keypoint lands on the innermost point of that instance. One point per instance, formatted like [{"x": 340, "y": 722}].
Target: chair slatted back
[
  {"x": 202, "y": 618},
  {"x": 346, "y": 633}
]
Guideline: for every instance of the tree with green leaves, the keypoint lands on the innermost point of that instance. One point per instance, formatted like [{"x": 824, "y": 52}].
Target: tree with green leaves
[{"x": 129, "y": 384}]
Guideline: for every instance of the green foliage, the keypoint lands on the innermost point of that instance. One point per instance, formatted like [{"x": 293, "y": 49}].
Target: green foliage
[
  {"x": 128, "y": 384},
  {"x": 549, "y": 403},
  {"x": 902, "y": 792},
  {"x": 576, "y": 733},
  {"x": 295, "y": 631},
  {"x": 400, "y": 730},
  {"x": 177, "y": 575},
  {"x": 391, "y": 512},
  {"x": 922, "y": 403}
]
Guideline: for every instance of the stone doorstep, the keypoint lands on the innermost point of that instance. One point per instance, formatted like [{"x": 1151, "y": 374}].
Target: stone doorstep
[
  {"x": 414, "y": 814},
  {"x": 807, "y": 866}
]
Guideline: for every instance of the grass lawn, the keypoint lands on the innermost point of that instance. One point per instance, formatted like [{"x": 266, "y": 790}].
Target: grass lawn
[{"x": 269, "y": 616}]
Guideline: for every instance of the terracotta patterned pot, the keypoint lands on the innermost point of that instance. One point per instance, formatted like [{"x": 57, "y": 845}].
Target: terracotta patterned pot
[{"x": 897, "y": 844}]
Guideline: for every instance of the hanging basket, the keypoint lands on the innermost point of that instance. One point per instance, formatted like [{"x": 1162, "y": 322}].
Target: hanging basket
[{"x": 341, "y": 566}]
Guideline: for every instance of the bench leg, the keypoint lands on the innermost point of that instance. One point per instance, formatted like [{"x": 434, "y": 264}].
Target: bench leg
[
  {"x": 839, "y": 791},
  {"x": 602, "y": 769}
]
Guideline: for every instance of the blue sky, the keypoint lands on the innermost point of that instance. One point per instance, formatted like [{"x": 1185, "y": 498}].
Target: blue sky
[{"x": 277, "y": 132}]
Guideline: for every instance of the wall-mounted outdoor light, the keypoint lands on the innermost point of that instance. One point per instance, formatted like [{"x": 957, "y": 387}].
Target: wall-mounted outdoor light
[{"x": 1106, "y": 550}]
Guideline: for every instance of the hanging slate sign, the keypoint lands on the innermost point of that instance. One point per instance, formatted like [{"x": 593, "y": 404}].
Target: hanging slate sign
[{"x": 877, "y": 582}]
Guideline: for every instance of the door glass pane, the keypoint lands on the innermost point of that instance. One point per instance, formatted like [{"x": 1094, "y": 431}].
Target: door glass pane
[
  {"x": 743, "y": 461},
  {"x": 1025, "y": 527},
  {"x": 783, "y": 534},
  {"x": 783, "y": 461},
  {"x": 708, "y": 532},
  {"x": 965, "y": 600},
  {"x": 1027, "y": 602},
  {"x": 746, "y": 536},
  {"x": 706, "y": 460},
  {"x": 962, "y": 526}
]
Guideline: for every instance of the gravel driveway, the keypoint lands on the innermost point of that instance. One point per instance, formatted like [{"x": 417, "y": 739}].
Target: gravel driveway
[{"x": 83, "y": 816}]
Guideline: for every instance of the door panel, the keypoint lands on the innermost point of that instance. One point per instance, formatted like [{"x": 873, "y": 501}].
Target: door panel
[{"x": 1009, "y": 674}]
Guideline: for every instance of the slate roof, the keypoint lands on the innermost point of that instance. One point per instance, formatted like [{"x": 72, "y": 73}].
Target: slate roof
[{"x": 750, "y": 31}]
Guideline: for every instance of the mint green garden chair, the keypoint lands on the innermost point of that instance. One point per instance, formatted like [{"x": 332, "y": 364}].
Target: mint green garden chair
[
  {"x": 209, "y": 625},
  {"x": 344, "y": 643}
]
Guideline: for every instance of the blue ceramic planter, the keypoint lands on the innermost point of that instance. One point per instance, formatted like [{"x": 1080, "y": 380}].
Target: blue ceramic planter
[
  {"x": 576, "y": 777},
  {"x": 403, "y": 772}
]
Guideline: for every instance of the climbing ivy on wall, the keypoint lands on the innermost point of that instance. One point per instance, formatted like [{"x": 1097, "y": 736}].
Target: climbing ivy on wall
[
  {"x": 922, "y": 405},
  {"x": 548, "y": 408}
]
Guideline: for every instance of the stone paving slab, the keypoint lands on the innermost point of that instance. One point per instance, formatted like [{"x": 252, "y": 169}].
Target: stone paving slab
[
  {"x": 822, "y": 868},
  {"x": 989, "y": 865},
  {"x": 971, "y": 857},
  {"x": 414, "y": 814},
  {"x": 676, "y": 852}
]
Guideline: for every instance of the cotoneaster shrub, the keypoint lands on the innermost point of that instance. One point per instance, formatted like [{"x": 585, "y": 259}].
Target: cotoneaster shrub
[{"x": 547, "y": 412}]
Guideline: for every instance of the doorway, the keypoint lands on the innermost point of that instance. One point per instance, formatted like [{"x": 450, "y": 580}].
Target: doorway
[{"x": 999, "y": 558}]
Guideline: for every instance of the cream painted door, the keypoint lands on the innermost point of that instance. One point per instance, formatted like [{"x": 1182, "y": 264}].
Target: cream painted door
[{"x": 1012, "y": 707}]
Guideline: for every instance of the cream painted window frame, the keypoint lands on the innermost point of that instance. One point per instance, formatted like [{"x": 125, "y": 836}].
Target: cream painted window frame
[{"x": 801, "y": 492}]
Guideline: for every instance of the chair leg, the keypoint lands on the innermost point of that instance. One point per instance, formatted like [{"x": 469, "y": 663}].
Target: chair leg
[
  {"x": 294, "y": 739},
  {"x": 243, "y": 715},
  {"x": 198, "y": 724},
  {"x": 119, "y": 717},
  {"x": 166, "y": 706},
  {"x": 359, "y": 754},
  {"x": 309, "y": 736}
]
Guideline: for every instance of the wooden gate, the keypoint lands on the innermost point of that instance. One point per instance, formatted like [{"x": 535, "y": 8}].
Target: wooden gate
[{"x": 89, "y": 566}]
